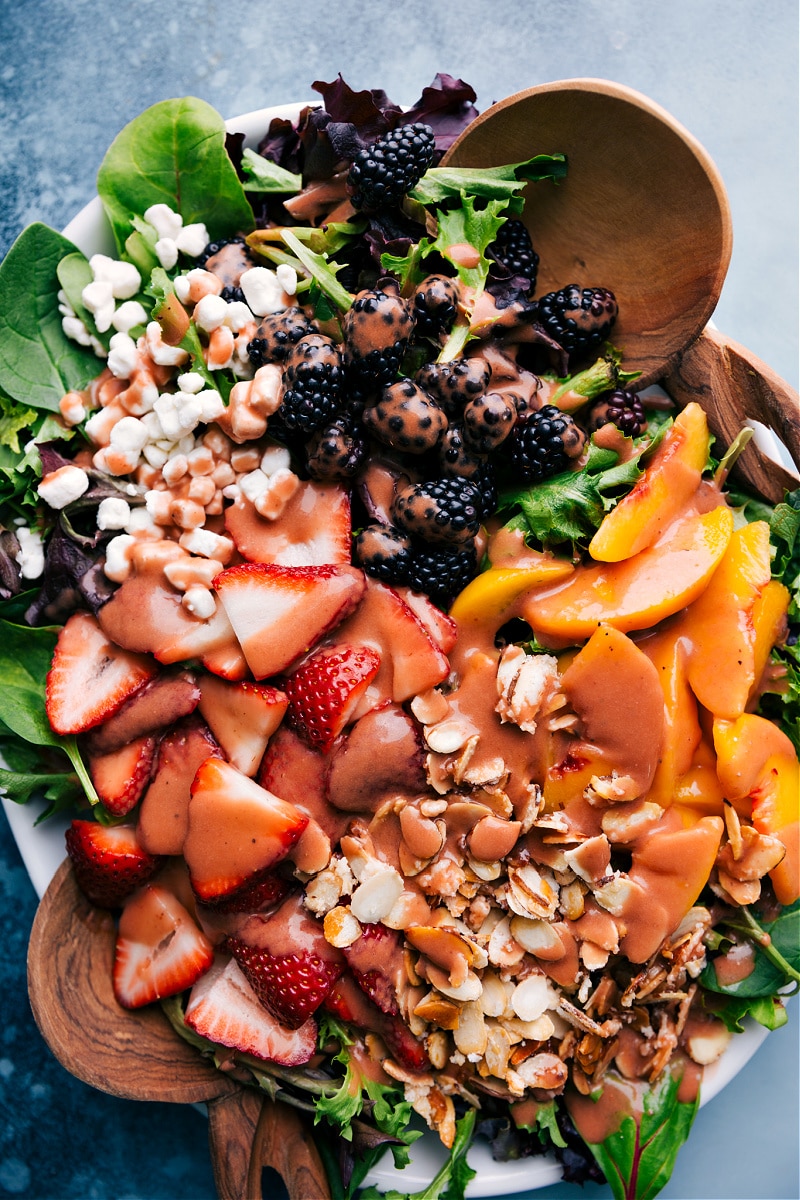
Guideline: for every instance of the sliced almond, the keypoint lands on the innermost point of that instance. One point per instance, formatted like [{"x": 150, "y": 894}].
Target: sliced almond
[
  {"x": 543, "y": 1071},
  {"x": 504, "y": 950},
  {"x": 531, "y": 893},
  {"x": 532, "y": 997},
  {"x": 470, "y": 989},
  {"x": 340, "y": 927},
  {"x": 538, "y": 938},
  {"x": 706, "y": 1047},
  {"x": 376, "y": 896},
  {"x": 438, "y": 1010},
  {"x": 471, "y": 1035}
]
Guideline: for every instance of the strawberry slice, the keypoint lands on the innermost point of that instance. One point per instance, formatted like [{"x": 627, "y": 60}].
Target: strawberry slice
[
  {"x": 121, "y": 777},
  {"x": 164, "y": 811},
  {"x": 237, "y": 831},
  {"x": 253, "y": 897},
  {"x": 278, "y": 613},
  {"x": 159, "y": 950},
  {"x": 224, "y": 1008},
  {"x": 349, "y": 1003},
  {"x": 442, "y": 628},
  {"x": 325, "y": 691},
  {"x": 287, "y": 962},
  {"x": 109, "y": 861},
  {"x": 157, "y": 705},
  {"x": 242, "y": 717},
  {"x": 376, "y": 961},
  {"x": 411, "y": 661},
  {"x": 314, "y": 528},
  {"x": 90, "y": 678}
]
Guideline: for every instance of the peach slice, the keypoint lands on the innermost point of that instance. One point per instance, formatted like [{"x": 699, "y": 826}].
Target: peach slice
[
  {"x": 670, "y": 479},
  {"x": 488, "y": 597},
  {"x": 698, "y": 790},
  {"x": 756, "y": 761},
  {"x": 718, "y": 628},
  {"x": 769, "y": 624},
  {"x": 615, "y": 690},
  {"x": 636, "y": 593},
  {"x": 682, "y": 732}
]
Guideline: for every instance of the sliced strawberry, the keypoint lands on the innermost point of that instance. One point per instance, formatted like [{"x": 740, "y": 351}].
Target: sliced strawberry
[
  {"x": 164, "y": 811},
  {"x": 411, "y": 662},
  {"x": 162, "y": 701},
  {"x": 159, "y": 950},
  {"x": 146, "y": 613},
  {"x": 313, "y": 529},
  {"x": 325, "y": 690},
  {"x": 242, "y": 717},
  {"x": 121, "y": 777},
  {"x": 109, "y": 861},
  {"x": 90, "y": 678},
  {"x": 357, "y": 779},
  {"x": 255, "y": 897},
  {"x": 237, "y": 831},
  {"x": 287, "y": 961},
  {"x": 376, "y": 961},
  {"x": 224, "y": 1008},
  {"x": 349, "y": 1003},
  {"x": 441, "y": 628},
  {"x": 280, "y": 613},
  {"x": 296, "y": 771}
]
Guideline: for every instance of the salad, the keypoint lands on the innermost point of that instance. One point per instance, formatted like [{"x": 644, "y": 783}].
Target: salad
[{"x": 428, "y": 699}]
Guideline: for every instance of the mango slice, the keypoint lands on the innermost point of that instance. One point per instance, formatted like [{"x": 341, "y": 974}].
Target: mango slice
[
  {"x": 669, "y": 480},
  {"x": 488, "y": 597},
  {"x": 769, "y": 625},
  {"x": 718, "y": 628},
  {"x": 636, "y": 593},
  {"x": 756, "y": 761}
]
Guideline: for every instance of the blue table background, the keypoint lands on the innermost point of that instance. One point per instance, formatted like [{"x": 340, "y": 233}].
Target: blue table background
[{"x": 72, "y": 72}]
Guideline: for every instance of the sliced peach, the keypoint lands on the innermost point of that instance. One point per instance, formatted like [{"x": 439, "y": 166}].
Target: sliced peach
[
  {"x": 636, "y": 593},
  {"x": 769, "y": 624},
  {"x": 489, "y": 596},
  {"x": 699, "y": 790},
  {"x": 615, "y": 690},
  {"x": 671, "y": 868},
  {"x": 682, "y": 731},
  {"x": 756, "y": 761},
  {"x": 669, "y": 480},
  {"x": 718, "y": 628}
]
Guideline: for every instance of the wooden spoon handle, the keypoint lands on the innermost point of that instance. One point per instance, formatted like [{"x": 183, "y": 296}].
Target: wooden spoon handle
[
  {"x": 285, "y": 1142},
  {"x": 732, "y": 384},
  {"x": 247, "y": 1132}
]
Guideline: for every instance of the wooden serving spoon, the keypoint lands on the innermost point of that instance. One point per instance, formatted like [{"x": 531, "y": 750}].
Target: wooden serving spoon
[
  {"x": 642, "y": 211},
  {"x": 137, "y": 1055}
]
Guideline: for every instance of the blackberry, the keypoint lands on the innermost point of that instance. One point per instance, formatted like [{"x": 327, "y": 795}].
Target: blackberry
[
  {"x": 338, "y": 450},
  {"x": 441, "y": 574},
  {"x": 376, "y": 330},
  {"x": 381, "y": 174},
  {"x": 579, "y": 319},
  {"x": 232, "y": 294},
  {"x": 513, "y": 249},
  {"x": 442, "y": 512},
  {"x": 212, "y": 248},
  {"x": 276, "y": 334},
  {"x": 457, "y": 458},
  {"x": 543, "y": 443},
  {"x": 383, "y": 552},
  {"x": 488, "y": 420},
  {"x": 435, "y": 303},
  {"x": 454, "y": 383},
  {"x": 406, "y": 418},
  {"x": 620, "y": 408},
  {"x": 312, "y": 384}
]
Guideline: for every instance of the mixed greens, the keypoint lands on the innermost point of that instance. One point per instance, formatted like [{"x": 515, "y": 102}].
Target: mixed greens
[{"x": 178, "y": 153}]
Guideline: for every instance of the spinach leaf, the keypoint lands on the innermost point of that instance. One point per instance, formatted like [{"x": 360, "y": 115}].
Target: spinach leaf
[
  {"x": 25, "y": 656},
  {"x": 766, "y": 1010},
  {"x": 777, "y": 955},
  {"x": 173, "y": 153},
  {"x": 38, "y": 362},
  {"x": 638, "y": 1159}
]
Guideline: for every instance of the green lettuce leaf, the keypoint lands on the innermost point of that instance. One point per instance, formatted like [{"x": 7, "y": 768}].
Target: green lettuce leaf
[
  {"x": 262, "y": 175},
  {"x": 776, "y": 955},
  {"x": 492, "y": 183},
  {"x": 451, "y": 1180}
]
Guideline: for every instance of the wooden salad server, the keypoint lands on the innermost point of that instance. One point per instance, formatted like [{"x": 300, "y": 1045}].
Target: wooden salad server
[
  {"x": 137, "y": 1055},
  {"x": 642, "y": 210}
]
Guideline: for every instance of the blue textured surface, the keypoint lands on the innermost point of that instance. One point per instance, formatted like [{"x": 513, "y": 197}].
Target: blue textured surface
[{"x": 72, "y": 73}]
